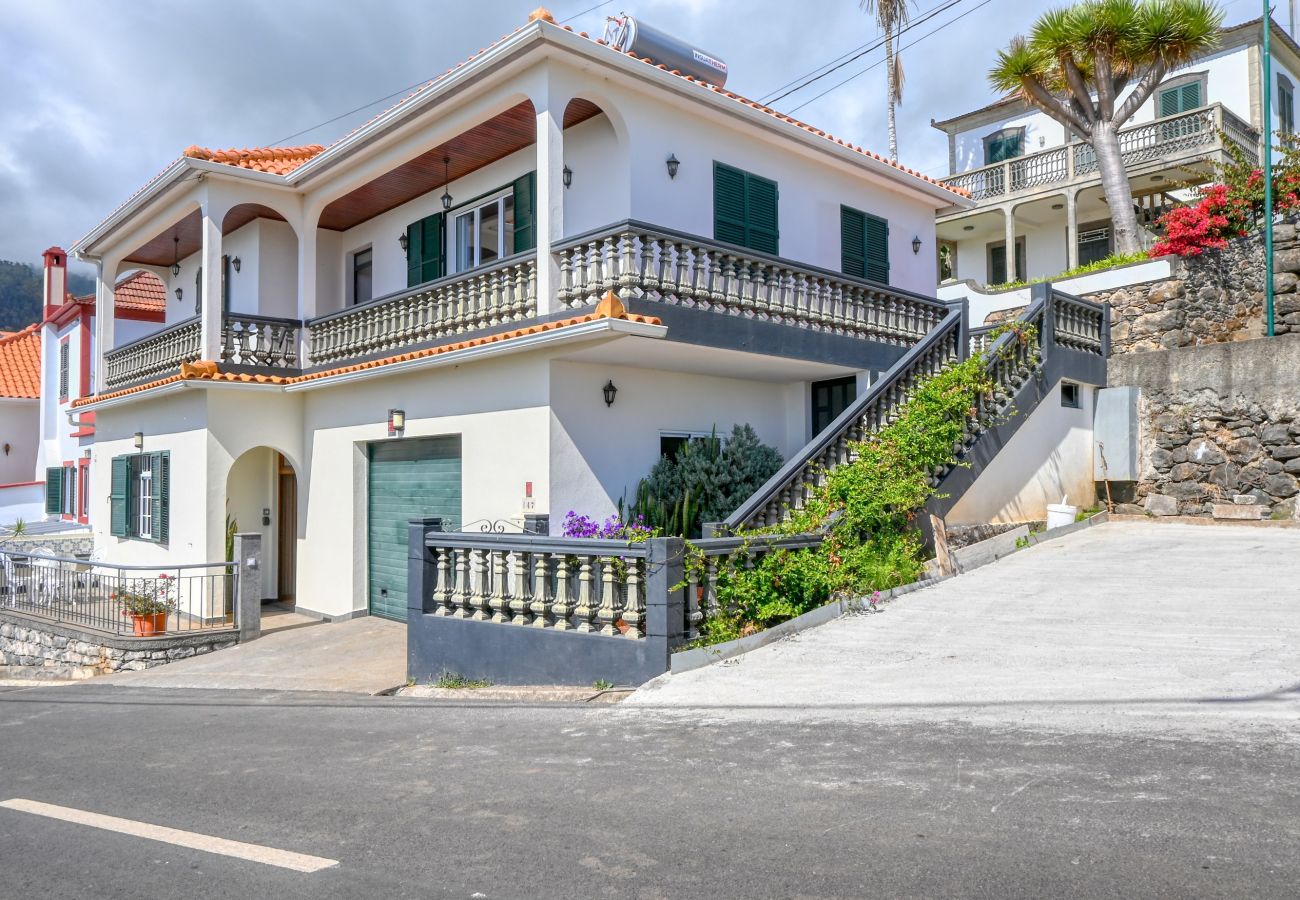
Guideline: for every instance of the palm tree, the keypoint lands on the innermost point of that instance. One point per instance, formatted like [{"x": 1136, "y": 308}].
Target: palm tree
[
  {"x": 1078, "y": 61},
  {"x": 891, "y": 16}
]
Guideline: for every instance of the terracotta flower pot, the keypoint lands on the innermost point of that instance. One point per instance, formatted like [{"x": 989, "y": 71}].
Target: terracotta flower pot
[{"x": 145, "y": 626}]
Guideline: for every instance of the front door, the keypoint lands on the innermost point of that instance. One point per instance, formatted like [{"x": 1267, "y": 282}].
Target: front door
[
  {"x": 829, "y": 399},
  {"x": 408, "y": 479},
  {"x": 287, "y": 532}
]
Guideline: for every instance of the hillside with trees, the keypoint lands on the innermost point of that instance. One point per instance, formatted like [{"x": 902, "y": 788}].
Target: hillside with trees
[{"x": 20, "y": 293}]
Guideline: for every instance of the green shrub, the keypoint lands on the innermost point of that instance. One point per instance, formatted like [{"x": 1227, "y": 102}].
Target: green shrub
[{"x": 706, "y": 482}]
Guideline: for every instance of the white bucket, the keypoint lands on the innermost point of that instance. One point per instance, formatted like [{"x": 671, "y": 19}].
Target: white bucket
[{"x": 1060, "y": 514}]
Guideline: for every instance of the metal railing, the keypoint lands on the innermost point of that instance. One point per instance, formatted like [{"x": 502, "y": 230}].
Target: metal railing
[
  {"x": 153, "y": 355},
  {"x": 139, "y": 601},
  {"x": 262, "y": 341},
  {"x": 468, "y": 301},
  {"x": 1174, "y": 138},
  {"x": 645, "y": 262}
]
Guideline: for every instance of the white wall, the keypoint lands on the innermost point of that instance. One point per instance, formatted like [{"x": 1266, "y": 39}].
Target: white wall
[
  {"x": 599, "y": 453},
  {"x": 1010, "y": 490},
  {"x": 22, "y": 501},
  {"x": 19, "y": 433}
]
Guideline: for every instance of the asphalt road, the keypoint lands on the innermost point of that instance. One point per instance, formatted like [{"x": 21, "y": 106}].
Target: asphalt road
[{"x": 421, "y": 799}]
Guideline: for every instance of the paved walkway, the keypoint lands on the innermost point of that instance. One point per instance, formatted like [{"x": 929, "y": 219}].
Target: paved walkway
[
  {"x": 365, "y": 656},
  {"x": 1126, "y": 625}
]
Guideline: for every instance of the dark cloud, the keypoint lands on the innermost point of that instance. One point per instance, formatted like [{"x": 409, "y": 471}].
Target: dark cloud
[{"x": 99, "y": 97}]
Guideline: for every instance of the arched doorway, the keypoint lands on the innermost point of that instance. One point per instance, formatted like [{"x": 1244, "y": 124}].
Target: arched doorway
[{"x": 262, "y": 497}]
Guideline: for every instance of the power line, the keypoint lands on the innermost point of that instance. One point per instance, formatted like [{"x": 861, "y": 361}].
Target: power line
[
  {"x": 855, "y": 53},
  {"x": 900, "y": 49},
  {"x": 880, "y": 43},
  {"x": 585, "y": 11}
]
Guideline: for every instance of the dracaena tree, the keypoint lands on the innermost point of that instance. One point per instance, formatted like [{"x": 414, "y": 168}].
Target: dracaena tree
[
  {"x": 891, "y": 16},
  {"x": 1092, "y": 65}
]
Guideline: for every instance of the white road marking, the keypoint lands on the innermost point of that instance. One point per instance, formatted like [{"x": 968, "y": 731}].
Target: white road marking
[{"x": 285, "y": 859}]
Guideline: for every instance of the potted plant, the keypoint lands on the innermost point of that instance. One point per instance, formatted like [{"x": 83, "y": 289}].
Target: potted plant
[{"x": 148, "y": 605}]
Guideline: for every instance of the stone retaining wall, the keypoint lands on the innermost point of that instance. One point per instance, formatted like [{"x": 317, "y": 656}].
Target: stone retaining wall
[
  {"x": 1217, "y": 423},
  {"x": 26, "y": 641}
]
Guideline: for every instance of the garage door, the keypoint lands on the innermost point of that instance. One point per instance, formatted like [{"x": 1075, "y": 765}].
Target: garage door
[{"x": 409, "y": 479}]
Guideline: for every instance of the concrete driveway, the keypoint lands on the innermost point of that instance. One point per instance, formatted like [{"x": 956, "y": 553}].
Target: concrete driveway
[
  {"x": 1128, "y": 625},
  {"x": 363, "y": 656}
]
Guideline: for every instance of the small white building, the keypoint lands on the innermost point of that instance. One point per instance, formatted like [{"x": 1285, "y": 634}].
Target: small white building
[
  {"x": 1039, "y": 207},
  {"x": 21, "y": 495},
  {"x": 417, "y": 321}
]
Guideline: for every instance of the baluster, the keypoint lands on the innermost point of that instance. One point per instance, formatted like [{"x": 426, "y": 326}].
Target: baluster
[
  {"x": 627, "y": 260},
  {"x": 498, "y": 602},
  {"x": 560, "y": 607},
  {"x": 608, "y": 279},
  {"x": 717, "y": 293},
  {"x": 694, "y": 588},
  {"x": 443, "y": 595},
  {"x": 565, "y": 292},
  {"x": 467, "y": 599},
  {"x": 584, "y": 611},
  {"x": 607, "y": 612},
  {"x": 646, "y": 274},
  {"x": 634, "y": 605},
  {"x": 519, "y": 595}
]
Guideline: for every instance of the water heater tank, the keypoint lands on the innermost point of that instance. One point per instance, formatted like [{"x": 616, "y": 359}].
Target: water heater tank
[{"x": 663, "y": 48}]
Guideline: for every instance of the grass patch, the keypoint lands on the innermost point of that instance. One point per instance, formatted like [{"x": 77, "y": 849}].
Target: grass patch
[
  {"x": 454, "y": 682},
  {"x": 602, "y": 685},
  {"x": 1110, "y": 262}
]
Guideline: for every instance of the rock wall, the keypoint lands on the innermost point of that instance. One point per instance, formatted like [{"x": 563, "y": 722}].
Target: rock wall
[
  {"x": 26, "y": 642},
  {"x": 1215, "y": 423},
  {"x": 1214, "y": 298}
]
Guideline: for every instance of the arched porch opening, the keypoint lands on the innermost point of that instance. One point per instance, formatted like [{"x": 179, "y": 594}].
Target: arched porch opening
[{"x": 262, "y": 498}]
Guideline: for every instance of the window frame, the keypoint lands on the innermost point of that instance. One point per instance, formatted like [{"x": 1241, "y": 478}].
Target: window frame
[
  {"x": 752, "y": 233},
  {"x": 1022, "y": 264},
  {"x": 474, "y": 208},
  {"x": 368, "y": 251},
  {"x": 142, "y": 510},
  {"x": 1177, "y": 84},
  {"x": 682, "y": 435},
  {"x": 1002, "y": 134},
  {"x": 1071, "y": 395},
  {"x": 1285, "y": 111},
  {"x": 65, "y": 367},
  {"x": 828, "y": 384}
]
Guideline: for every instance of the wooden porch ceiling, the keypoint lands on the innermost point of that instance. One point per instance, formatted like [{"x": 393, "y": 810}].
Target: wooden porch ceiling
[{"x": 482, "y": 145}]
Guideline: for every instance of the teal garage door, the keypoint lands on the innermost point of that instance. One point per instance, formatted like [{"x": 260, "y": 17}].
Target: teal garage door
[{"x": 409, "y": 479}]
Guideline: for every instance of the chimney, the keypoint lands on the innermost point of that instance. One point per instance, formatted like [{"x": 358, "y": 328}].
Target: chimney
[{"x": 56, "y": 279}]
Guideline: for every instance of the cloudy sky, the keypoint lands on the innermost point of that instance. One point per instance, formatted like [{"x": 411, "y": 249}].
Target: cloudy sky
[{"x": 97, "y": 96}]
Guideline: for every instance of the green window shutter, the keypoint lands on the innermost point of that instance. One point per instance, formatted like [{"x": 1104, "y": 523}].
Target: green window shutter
[
  {"x": 119, "y": 496},
  {"x": 54, "y": 490},
  {"x": 424, "y": 250},
  {"x": 877, "y": 245},
  {"x": 729, "y": 219},
  {"x": 525, "y": 197},
  {"x": 761, "y": 202},
  {"x": 63, "y": 370},
  {"x": 1191, "y": 95},
  {"x": 160, "y": 467},
  {"x": 853, "y": 247}
]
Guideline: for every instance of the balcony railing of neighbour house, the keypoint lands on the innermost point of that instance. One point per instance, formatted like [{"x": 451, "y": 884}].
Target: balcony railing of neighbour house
[
  {"x": 1190, "y": 134},
  {"x": 641, "y": 261},
  {"x": 259, "y": 341},
  {"x": 482, "y": 298},
  {"x": 101, "y": 596},
  {"x": 152, "y": 356}
]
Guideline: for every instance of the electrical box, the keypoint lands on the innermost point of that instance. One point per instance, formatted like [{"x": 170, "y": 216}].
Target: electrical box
[{"x": 1115, "y": 435}]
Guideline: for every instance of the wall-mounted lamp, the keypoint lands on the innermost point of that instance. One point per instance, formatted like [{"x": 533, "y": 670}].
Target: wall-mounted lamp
[
  {"x": 916, "y": 245},
  {"x": 610, "y": 392},
  {"x": 446, "y": 183},
  {"x": 396, "y": 422},
  {"x": 968, "y": 228},
  {"x": 1058, "y": 206},
  {"x": 7, "y": 449},
  {"x": 236, "y": 263},
  {"x": 179, "y": 293},
  {"x": 672, "y": 162},
  {"x": 176, "y": 256},
  {"x": 138, "y": 440},
  {"x": 568, "y": 177},
  {"x": 405, "y": 243}
]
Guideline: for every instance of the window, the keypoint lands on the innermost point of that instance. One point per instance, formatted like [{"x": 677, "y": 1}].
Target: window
[
  {"x": 1070, "y": 396},
  {"x": 864, "y": 245},
  {"x": 1003, "y": 145},
  {"x": 485, "y": 233},
  {"x": 139, "y": 496},
  {"x": 829, "y": 399},
  {"x": 745, "y": 209},
  {"x": 63, "y": 369},
  {"x": 60, "y": 491},
  {"x": 1285, "y": 105},
  {"x": 1094, "y": 244},
  {"x": 362, "y": 276},
  {"x": 998, "y": 262},
  {"x": 489, "y": 231},
  {"x": 671, "y": 443},
  {"x": 198, "y": 292},
  {"x": 83, "y": 496},
  {"x": 1180, "y": 96}
]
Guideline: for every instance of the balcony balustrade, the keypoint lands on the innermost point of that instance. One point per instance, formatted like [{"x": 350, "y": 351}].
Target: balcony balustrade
[
  {"x": 152, "y": 356},
  {"x": 1177, "y": 138}
]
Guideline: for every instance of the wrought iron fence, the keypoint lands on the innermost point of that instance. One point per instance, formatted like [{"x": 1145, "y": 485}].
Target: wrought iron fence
[{"x": 143, "y": 601}]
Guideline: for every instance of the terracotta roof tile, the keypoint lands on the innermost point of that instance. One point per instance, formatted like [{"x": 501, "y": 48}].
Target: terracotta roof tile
[
  {"x": 140, "y": 290},
  {"x": 204, "y": 370},
  {"x": 275, "y": 160},
  {"x": 20, "y": 363}
]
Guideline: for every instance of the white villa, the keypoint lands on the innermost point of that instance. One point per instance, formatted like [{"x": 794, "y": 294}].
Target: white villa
[
  {"x": 495, "y": 302},
  {"x": 1039, "y": 208}
]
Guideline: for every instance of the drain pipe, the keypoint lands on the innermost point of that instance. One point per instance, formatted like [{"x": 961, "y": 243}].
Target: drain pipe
[{"x": 1268, "y": 170}]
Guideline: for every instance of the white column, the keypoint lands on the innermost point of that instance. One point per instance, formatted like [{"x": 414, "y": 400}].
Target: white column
[
  {"x": 306, "y": 278},
  {"x": 550, "y": 201},
  {"x": 1008, "y": 213},
  {"x": 210, "y": 259},
  {"x": 105, "y": 318},
  {"x": 1071, "y": 228}
]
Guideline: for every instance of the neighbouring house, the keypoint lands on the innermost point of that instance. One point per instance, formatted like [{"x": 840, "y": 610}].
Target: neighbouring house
[
  {"x": 497, "y": 301},
  {"x": 1039, "y": 207},
  {"x": 21, "y": 496}
]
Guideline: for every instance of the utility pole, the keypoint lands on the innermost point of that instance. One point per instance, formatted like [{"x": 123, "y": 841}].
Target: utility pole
[{"x": 1268, "y": 170}]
